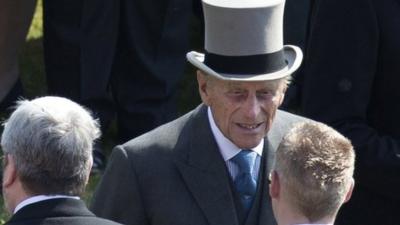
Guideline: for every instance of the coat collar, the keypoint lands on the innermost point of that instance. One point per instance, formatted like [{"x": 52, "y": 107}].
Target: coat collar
[
  {"x": 60, "y": 207},
  {"x": 204, "y": 171}
]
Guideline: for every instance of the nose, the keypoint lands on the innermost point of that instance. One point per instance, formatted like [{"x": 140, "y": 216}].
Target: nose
[{"x": 252, "y": 107}]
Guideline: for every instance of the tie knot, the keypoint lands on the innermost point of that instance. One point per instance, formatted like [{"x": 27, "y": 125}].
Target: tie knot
[{"x": 245, "y": 160}]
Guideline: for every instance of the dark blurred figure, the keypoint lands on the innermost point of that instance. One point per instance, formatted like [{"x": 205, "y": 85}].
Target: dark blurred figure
[
  {"x": 296, "y": 20},
  {"x": 118, "y": 57},
  {"x": 79, "y": 45},
  {"x": 296, "y": 30},
  {"x": 351, "y": 81},
  {"x": 15, "y": 18}
]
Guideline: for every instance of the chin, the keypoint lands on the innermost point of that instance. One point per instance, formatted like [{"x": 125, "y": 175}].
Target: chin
[
  {"x": 247, "y": 141},
  {"x": 248, "y": 145}
]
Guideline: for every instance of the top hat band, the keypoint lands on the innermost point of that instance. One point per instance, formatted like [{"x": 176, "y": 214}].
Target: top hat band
[{"x": 252, "y": 64}]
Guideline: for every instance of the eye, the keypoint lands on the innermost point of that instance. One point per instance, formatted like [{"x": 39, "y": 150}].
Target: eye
[
  {"x": 236, "y": 92},
  {"x": 265, "y": 94}
]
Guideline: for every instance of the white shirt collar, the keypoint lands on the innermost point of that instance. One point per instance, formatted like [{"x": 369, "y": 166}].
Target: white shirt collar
[
  {"x": 39, "y": 198},
  {"x": 226, "y": 147}
]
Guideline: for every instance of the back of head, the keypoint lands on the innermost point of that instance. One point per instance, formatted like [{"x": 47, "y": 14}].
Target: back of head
[
  {"x": 315, "y": 165},
  {"x": 50, "y": 140}
]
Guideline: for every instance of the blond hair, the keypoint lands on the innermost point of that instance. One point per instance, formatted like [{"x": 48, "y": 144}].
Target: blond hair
[{"x": 315, "y": 165}]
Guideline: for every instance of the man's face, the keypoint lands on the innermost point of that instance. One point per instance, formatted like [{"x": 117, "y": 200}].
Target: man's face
[{"x": 243, "y": 111}]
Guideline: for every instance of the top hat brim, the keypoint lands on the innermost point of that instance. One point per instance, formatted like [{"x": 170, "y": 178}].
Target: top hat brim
[{"x": 293, "y": 56}]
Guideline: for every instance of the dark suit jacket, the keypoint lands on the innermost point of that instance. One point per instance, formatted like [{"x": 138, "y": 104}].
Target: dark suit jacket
[
  {"x": 176, "y": 175},
  {"x": 352, "y": 76},
  {"x": 57, "y": 211},
  {"x": 132, "y": 49}
]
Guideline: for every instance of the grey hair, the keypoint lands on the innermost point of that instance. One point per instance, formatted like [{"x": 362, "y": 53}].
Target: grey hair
[{"x": 51, "y": 140}]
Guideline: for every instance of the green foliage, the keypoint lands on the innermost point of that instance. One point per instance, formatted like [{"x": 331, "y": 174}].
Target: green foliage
[
  {"x": 91, "y": 187},
  {"x": 35, "y": 31},
  {"x": 31, "y": 58},
  {"x": 3, "y": 213}
]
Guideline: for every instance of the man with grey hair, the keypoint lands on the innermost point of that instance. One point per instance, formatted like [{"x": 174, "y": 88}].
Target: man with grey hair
[
  {"x": 47, "y": 146},
  {"x": 312, "y": 176}
]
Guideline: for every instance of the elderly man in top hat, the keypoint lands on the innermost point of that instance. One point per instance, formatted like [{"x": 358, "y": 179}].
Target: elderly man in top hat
[{"x": 211, "y": 165}]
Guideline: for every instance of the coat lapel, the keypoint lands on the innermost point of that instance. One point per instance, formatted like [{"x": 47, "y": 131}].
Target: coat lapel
[
  {"x": 203, "y": 170},
  {"x": 266, "y": 215}
]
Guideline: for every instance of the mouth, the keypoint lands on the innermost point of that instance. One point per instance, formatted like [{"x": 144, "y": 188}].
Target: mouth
[{"x": 249, "y": 126}]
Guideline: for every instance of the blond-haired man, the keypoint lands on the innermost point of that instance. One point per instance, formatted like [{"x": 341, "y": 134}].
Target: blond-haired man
[{"x": 312, "y": 176}]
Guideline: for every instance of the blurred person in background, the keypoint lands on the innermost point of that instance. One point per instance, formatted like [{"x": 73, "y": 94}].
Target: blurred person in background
[
  {"x": 15, "y": 19},
  {"x": 351, "y": 77},
  {"x": 121, "y": 59}
]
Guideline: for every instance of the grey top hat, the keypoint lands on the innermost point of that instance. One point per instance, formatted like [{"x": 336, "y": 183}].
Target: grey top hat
[{"x": 244, "y": 41}]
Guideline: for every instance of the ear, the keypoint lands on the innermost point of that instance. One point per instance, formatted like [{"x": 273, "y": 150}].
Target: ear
[
  {"x": 282, "y": 95},
  {"x": 9, "y": 171},
  {"x": 90, "y": 169},
  {"x": 203, "y": 90},
  {"x": 281, "y": 98},
  {"x": 274, "y": 186},
  {"x": 349, "y": 192}
]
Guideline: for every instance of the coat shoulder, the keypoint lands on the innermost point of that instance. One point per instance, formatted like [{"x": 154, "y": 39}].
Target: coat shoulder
[
  {"x": 165, "y": 136},
  {"x": 286, "y": 119},
  {"x": 167, "y": 139},
  {"x": 283, "y": 121}
]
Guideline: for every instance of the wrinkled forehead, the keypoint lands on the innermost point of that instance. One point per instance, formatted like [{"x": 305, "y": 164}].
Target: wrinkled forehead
[{"x": 256, "y": 85}]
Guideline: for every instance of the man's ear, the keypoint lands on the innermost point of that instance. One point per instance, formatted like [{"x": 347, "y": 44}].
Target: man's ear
[
  {"x": 349, "y": 192},
  {"x": 203, "y": 91},
  {"x": 90, "y": 169},
  {"x": 274, "y": 186},
  {"x": 9, "y": 171},
  {"x": 282, "y": 97}
]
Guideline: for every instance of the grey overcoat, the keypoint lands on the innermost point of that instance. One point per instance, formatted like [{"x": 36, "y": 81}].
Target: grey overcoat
[{"x": 175, "y": 174}]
